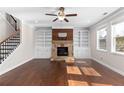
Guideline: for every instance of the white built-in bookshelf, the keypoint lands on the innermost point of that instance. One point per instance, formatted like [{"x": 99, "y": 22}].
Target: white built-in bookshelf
[
  {"x": 43, "y": 38},
  {"x": 81, "y": 38}
]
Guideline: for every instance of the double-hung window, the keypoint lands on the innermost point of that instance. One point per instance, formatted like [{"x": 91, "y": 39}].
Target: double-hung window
[{"x": 101, "y": 39}]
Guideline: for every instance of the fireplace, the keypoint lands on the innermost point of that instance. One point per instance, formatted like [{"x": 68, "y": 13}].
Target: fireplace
[
  {"x": 62, "y": 51},
  {"x": 62, "y": 45}
]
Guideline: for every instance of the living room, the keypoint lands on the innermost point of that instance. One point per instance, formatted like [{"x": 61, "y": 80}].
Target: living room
[{"x": 62, "y": 46}]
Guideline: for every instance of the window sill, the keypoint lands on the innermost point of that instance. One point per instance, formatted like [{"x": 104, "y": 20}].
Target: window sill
[
  {"x": 101, "y": 50},
  {"x": 118, "y": 53}
]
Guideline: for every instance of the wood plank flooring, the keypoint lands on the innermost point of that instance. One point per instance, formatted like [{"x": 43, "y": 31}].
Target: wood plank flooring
[{"x": 42, "y": 72}]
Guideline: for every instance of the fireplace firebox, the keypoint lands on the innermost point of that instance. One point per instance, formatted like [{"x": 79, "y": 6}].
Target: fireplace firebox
[{"x": 62, "y": 51}]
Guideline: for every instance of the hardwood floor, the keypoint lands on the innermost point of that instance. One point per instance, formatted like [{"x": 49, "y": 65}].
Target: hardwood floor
[{"x": 39, "y": 72}]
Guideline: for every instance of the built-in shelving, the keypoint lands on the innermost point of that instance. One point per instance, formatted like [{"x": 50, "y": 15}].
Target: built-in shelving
[
  {"x": 81, "y": 38},
  {"x": 81, "y": 43},
  {"x": 43, "y": 42},
  {"x": 44, "y": 39}
]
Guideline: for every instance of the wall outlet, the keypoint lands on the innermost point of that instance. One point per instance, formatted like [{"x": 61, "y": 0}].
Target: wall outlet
[{"x": 101, "y": 58}]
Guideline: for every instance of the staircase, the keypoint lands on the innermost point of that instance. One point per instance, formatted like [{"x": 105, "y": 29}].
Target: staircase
[{"x": 8, "y": 45}]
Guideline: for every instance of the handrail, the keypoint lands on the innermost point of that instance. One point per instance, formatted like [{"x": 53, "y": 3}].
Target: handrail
[
  {"x": 13, "y": 18},
  {"x": 15, "y": 26},
  {"x": 8, "y": 23},
  {"x": 14, "y": 33}
]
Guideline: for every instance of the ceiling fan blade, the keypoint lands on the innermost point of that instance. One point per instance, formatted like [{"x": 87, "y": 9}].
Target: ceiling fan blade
[
  {"x": 66, "y": 20},
  {"x": 51, "y": 14},
  {"x": 70, "y": 15},
  {"x": 55, "y": 19}
]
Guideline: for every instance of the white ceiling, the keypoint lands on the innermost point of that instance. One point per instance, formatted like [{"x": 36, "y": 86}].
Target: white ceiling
[{"x": 87, "y": 16}]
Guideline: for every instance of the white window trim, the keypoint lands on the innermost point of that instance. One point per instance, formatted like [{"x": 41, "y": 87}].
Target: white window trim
[{"x": 97, "y": 41}]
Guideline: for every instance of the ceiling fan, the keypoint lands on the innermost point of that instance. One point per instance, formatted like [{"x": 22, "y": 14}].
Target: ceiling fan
[{"x": 61, "y": 15}]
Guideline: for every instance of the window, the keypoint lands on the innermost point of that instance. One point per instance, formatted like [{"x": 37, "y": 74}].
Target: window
[
  {"x": 118, "y": 37},
  {"x": 101, "y": 39}
]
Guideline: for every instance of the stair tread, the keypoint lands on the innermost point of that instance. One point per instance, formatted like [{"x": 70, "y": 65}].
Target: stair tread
[
  {"x": 5, "y": 53},
  {"x": 13, "y": 42},
  {"x": 1, "y": 58},
  {"x": 9, "y": 45},
  {"x": 7, "y": 49},
  {"x": 14, "y": 38}
]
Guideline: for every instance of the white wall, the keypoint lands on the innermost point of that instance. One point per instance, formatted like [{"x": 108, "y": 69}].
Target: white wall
[
  {"x": 23, "y": 53},
  {"x": 111, "y": 60},
  {"x": 5, "y": 28}
]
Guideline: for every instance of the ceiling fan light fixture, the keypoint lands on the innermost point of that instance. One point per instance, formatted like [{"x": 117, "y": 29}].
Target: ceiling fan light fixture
[{"x": 61, "y": 17}]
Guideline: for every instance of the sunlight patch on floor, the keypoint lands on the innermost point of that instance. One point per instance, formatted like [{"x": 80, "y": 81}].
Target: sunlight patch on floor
[
  {"x": 73, "y": 70},
  {"x": 100, "y": 84},
  {"x": 77, "y": 83},
  {"x": 89, "y": 71}
]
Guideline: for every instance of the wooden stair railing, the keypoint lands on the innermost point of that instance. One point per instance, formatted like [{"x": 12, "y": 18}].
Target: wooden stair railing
[
  {"x": 8, "y": 45},
  {"x": 15, "y": 24}
]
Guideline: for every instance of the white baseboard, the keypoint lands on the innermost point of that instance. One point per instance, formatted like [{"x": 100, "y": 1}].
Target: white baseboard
[
  {"x": 13, "y": 67},
  {"x": 108, "y": 66}
]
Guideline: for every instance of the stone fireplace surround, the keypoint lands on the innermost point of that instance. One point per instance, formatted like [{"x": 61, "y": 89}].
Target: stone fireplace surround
[{"x": 68, "y": 43}]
